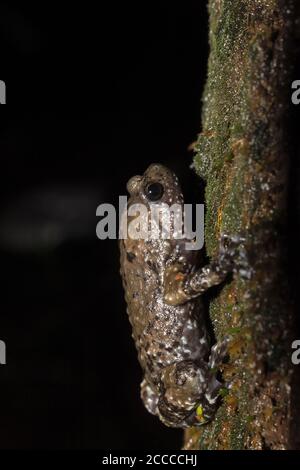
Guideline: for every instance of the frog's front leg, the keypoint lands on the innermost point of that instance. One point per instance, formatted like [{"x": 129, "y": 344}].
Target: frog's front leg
[
  {"x": 180, "y": 287},
  {"x": 184, "y": 389}
]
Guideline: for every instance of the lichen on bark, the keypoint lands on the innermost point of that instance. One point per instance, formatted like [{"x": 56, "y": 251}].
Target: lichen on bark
[{"x": 242, "y": 156}]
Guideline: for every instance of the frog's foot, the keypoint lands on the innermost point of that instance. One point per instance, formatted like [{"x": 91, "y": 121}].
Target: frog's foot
[
  {"x": 149, "y": 397},
  {"x": 233, "y": 255},
  {"x": 203, "y": 414},
  {"x": 206, "y": 409}
]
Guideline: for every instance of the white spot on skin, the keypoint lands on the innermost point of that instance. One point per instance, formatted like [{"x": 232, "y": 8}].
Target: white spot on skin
[
  {"x": 210, "y": 400},
  {"x": 201, "y": 377},
  {"x": 190, "y": 407}
]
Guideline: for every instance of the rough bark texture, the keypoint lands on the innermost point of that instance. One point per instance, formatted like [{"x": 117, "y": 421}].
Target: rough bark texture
[{"x": 241, "y": 153}]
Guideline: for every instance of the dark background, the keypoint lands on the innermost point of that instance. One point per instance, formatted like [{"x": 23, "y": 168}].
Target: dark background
[{"x": 93, "y": 97}]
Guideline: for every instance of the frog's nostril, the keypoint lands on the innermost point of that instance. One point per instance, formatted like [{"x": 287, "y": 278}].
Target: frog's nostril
[{"x": 133, "y": 184}]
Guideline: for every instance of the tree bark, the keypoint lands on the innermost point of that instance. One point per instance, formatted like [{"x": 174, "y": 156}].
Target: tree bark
[{"x": 243, "y": 157}]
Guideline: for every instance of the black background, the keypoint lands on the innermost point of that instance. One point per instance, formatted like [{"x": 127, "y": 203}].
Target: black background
[{"x": 94, "y": 94}]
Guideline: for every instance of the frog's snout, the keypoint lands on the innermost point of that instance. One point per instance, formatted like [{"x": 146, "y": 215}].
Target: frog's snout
[{"x": 134, "y": 184}]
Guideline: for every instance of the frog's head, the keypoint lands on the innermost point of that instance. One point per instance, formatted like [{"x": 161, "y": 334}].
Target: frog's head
[{"x": 157, "y": 185}]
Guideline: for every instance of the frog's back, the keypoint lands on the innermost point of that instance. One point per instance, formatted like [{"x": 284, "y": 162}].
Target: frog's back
[
  {"x": 142, "y": 283},
  {"x": 161, "y": 332}
]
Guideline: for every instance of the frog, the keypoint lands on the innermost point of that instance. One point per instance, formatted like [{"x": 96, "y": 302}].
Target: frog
[{"x": 163, "y": 283}]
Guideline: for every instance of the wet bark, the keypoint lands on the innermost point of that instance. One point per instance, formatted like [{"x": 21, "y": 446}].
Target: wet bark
[{"x": 243, "y": 156}]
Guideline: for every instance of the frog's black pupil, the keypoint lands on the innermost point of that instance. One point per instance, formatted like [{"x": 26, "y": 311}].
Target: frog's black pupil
[{"x": 154, "y": 191}]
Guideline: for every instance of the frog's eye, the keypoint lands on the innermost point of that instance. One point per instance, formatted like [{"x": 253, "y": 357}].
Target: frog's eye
[{"x": 154, "y": 191}]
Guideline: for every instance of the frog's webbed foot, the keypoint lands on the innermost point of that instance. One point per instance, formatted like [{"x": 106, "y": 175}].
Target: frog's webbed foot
[
  {"x": 232, "y": 257},
  {"x": 149, "y": 397}
]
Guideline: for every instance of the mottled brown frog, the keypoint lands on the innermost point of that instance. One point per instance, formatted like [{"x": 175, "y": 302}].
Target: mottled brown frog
[{"x": 163, "y": 282}]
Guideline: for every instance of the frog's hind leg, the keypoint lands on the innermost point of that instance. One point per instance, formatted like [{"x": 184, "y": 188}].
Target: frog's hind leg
[
  {"x": 149, "y": 397},
  {"x": 184, "y": 384}
]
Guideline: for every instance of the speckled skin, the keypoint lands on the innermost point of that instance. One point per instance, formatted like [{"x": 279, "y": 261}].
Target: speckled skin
[{"x": 162, "y": 283}]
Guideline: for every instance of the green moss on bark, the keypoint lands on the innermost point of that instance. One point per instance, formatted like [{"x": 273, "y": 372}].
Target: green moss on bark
[{"x": 241, "y": 154}]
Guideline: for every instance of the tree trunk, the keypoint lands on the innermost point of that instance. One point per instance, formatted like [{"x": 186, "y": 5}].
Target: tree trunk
[{"x": 243, "y": 157}]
